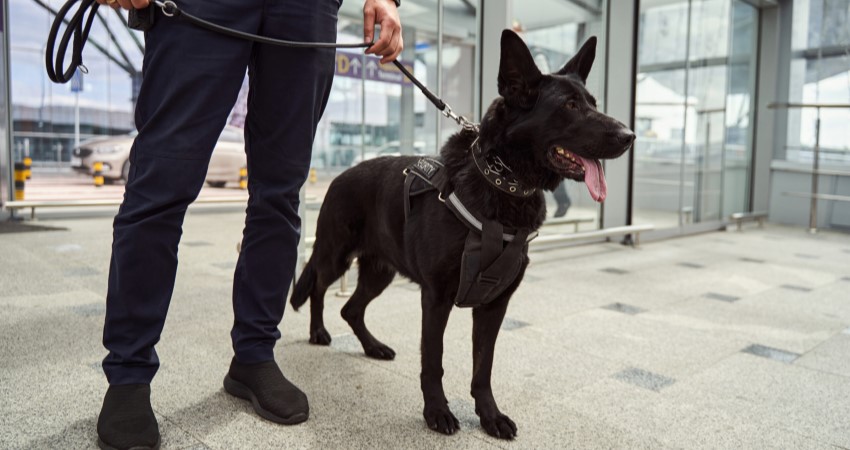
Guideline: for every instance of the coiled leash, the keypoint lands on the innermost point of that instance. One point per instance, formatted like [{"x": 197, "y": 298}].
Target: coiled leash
[{"x": 79, "y": 25}]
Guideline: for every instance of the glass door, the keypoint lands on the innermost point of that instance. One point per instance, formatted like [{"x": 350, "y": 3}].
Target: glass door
[{"x": 696, "y": 63}]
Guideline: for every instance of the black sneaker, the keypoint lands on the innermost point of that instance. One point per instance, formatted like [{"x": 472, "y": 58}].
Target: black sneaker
[
  {"x": 126, "y": 420},
  {"x": 272, "y": 395}
]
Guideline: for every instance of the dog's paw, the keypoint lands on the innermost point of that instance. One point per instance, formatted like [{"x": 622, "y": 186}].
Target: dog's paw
[
  {"x": 320, "y": 336},
  {"x": 500, "y": 426},
  {"x": 379, "y": 351},
  {"x": 442, "y": 420}
]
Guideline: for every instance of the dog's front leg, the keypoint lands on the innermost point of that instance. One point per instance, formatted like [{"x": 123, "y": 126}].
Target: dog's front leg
[
  {"x": 486, "y": 321},
  {"x": 435, "y": 315}
]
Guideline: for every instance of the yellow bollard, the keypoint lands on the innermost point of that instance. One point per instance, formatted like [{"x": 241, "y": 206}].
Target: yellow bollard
[
  {"x": 313, "y": 176},
  {"x": 98, "y": 174},
  {"x": 243, "y": 178},
  {"x": 20, "y": 181},
  {"x": 28, "y": 167}
]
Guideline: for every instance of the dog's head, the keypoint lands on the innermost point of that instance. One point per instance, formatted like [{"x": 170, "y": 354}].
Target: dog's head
[{"x": 548, "y": 126}]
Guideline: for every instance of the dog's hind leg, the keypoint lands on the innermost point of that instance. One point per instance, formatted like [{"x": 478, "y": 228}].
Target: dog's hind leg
[
  {"x": 372, "y": 279},
  {"x": 486, "y": 321},
  {"x": 435, "y": 316},
  {"x": 325, "y": 274}
]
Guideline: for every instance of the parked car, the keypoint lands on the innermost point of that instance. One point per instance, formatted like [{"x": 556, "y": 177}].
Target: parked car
[
  {"x": 227, "y": 159},
  {"x": 390, "y": 149}
]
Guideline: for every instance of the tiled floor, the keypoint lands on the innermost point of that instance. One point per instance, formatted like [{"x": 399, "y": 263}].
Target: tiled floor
[{"x": 721, "y": 340}]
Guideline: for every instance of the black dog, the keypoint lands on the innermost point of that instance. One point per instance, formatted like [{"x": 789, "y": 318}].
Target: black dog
[{"x": 544, "y": 128}]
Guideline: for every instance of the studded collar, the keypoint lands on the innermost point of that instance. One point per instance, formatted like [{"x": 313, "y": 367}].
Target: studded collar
[{"x": 498, "y": 173}]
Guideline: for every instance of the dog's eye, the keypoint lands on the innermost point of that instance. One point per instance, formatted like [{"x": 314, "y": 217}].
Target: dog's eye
[{"x": 571, "y": 104}]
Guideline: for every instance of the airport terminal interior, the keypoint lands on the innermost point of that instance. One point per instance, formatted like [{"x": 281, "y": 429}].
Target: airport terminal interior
[{"x": 703, "y": 304}]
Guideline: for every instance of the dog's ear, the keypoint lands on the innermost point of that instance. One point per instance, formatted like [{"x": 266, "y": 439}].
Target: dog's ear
[
  {"x": 581, "y": 63},
  {"x": 519, "y": 76}
]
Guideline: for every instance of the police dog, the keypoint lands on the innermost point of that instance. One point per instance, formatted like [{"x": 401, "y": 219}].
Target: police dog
[{"x": 544, "y": 128}]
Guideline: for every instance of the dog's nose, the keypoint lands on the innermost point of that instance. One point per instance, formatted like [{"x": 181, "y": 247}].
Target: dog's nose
[{"x": 626, "y": 137}]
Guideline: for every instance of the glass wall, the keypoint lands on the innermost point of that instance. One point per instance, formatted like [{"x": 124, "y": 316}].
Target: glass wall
[
  {"x": 373, "y": 110},
  {"x": 44, "y": 113},
  {"x": 820, "y": 73},
  {"x": 696, "y": 76},
  {"x": 554, "y": 30}
]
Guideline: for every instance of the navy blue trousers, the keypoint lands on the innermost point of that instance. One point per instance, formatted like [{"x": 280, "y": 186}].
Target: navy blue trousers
[{"x": 191, "y": 80}]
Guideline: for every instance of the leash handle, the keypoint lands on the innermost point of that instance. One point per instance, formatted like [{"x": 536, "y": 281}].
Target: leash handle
[{"x": 77, "y": 30}]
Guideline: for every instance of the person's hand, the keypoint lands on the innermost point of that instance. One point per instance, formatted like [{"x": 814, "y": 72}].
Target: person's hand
[
  {"x": 385, "y": 14},
  {"x": 126, "y": 4}
]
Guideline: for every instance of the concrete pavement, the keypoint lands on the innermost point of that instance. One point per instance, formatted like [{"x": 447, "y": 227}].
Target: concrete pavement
[{"x": 720, "y": 340}]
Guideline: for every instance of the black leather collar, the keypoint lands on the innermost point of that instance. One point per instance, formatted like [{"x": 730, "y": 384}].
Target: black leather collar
[{"x": 498, "y": 173}]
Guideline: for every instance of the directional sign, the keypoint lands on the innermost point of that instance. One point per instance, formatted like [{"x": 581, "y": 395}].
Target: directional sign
[
  {"x": 352, "y": 65},
  {"x": 77, "y": 82}
]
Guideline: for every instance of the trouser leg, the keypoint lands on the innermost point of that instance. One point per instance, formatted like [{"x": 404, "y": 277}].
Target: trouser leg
[
  {"x": 289, "y": 89},
  {"x": 191, "y": 80}
]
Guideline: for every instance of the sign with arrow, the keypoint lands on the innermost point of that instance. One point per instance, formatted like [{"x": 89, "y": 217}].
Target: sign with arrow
[
  {"x": 77, "y": 82},
  {"x": 353, "y": 65}
]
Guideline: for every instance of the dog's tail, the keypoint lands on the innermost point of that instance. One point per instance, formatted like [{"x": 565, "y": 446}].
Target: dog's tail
[{"x": 304, "y": 286}]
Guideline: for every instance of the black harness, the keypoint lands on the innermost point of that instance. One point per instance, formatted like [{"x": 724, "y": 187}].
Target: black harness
[{"x": 492, "y": 256}]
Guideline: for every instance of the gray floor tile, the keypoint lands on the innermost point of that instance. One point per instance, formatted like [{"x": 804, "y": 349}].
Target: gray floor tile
[
  {"x": 771, "y": 353},
  {"x": 721, "y": 297},
  {"x": 512, "y": 324},
  {"x": 623, "y": 308},
  {"x": 644, "y": 379},
  {"x": 796, "y": 288}
]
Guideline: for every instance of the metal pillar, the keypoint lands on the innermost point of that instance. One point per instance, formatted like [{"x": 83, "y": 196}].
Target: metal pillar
[
  {"x": 620, "y": 54},
  {"x": 495, "y": 17},
  {"x": 6, "y": 191}
]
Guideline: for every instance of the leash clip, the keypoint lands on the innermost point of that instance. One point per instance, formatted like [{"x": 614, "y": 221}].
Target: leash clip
[
  {"x": 169, "y": 8},
  {"x": 461, "y": 120}
]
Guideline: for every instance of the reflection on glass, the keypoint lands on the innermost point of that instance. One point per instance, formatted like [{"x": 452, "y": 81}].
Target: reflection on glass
[{"x": 554, "y": 34}]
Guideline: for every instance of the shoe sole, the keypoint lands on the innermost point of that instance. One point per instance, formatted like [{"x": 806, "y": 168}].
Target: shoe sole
[
  {"x": 105, "y": 446},
  {"x": 239, "y": 390}
]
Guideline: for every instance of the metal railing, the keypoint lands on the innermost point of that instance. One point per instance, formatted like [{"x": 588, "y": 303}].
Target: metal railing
[{"x": 816, "y": 172}]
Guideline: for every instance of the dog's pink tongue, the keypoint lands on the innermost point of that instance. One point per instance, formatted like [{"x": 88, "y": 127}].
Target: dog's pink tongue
[{"x": 594, "y": 178}]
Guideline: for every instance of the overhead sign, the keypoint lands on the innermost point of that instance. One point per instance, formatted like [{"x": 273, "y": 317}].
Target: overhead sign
[{"x": 354, "y": 65}]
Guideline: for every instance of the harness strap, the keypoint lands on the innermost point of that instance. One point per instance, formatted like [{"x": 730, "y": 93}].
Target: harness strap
[
  {"x": 500, "y": 265},
  {"x": 427, "y": 175}
]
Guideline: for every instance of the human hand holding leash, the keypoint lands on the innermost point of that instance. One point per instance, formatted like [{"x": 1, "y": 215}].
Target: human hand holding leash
[
  {"x": 126, "y": 4},
  {"x": 385, "y": 14}
]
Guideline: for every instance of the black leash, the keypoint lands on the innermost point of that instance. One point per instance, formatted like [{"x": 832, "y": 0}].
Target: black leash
[{"x": 79, "y": 26}]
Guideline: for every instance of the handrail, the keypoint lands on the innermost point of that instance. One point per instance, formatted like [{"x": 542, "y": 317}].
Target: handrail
[
  {"x": 813, "y": 206},
  {"x": 836, "y": 173},
  {"x": 788, "y": 105},
  {"x": 834, "y": 197}
]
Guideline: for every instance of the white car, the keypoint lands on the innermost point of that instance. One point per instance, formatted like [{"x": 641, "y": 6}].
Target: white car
[{"x": 227, "y": 159}]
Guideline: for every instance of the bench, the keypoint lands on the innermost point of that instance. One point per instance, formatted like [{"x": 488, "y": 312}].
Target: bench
[
  {"x": 575, "y": 221},
  {"x": 741, "y": 217},
  {"x": 32, "y": 205},
  {"x": 634, "y": 230}
]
